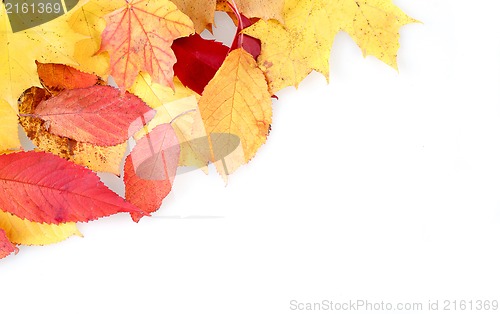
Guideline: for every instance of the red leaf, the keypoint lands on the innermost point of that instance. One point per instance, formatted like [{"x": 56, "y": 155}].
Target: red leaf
[
  {"x": 58, "y": 77},
  {"x": 197, "y": 60},
  {"x": 150, "y": 169},
  {"x": 6, "y": 247},
  {"x": 98, "y": 115},
  {"x": 44, "y": 188}
]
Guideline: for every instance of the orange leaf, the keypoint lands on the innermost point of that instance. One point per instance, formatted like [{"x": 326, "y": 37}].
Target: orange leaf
[
  {"x": 138, "y": 37},
  {"x": 58, "y": 77},
  {"x": 150, "y": 169}
]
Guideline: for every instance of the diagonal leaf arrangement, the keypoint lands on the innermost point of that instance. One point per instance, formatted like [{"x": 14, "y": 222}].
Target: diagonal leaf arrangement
[{"x": 176, "y": 96}]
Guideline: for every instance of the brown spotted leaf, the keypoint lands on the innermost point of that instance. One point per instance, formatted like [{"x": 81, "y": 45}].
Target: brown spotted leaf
[{"x": 97, "y": 158}]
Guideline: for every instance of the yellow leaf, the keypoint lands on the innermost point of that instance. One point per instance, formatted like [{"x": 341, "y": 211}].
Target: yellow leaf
[
  {"x": 181, "y": 107},
  {"x": 8, "y": 127},
  {"x": 237, "y": 101},
  {"x": 97, "y": 158},
  {"x": 106, "y": 159},
  {"x": 373, "y": 24},
  {"x": 290, "y": 51},
  {"x": 201, "y": 12},
  {"x": 53, "y": 41},
  {"x": 88, "y": 20},
  {"x": 23, "y": 231}
]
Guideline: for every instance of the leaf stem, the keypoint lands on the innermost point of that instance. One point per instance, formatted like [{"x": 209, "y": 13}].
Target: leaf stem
[
  {"x": 236, "y": 12},
  {"x": 28, "y": 115},
  {"x": 181, "y": 114}
]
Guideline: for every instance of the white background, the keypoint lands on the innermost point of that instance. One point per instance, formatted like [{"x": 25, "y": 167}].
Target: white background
[{"x": 380, "y": 186}]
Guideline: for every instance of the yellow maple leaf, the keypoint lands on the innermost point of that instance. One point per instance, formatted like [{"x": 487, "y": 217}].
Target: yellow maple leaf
[
  {"x": 179, "y": 108},
  {"x": 201, "y": 12},
  {"x": 374, "y": 25},
  {"x": 23, "y": 231},
  {"x": 236, "y": 101},
  {"x": 290, "y": 51},
  {"x": 88, "y": 20},
  {"x": 53, "y": 41}
]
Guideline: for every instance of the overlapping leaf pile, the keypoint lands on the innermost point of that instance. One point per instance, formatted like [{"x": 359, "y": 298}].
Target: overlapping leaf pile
[{"x": 185, "y": 100}]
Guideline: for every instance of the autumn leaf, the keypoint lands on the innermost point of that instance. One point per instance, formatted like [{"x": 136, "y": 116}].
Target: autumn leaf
[
  {"x": 150, "y": 169},
  {"x": 178, "y": 108},
  {"x": 270, "y": 9},
  {"x": 186, "y": 101},
  {"x": 8, "y": 127},
  {"x": 374, "y": 25},
  {"x": 25, "y": 232},
  {"x": 198, "y": 60},
  {"x": 138, "y": 37},
  {"x": 50, "y": 42},
  {"x": 53, "y": 41},
  {"x": 237, "y": 102},
  {"x": 58, "y": 77},
  {"x": 6, "y": 247},
  {"x": 303, "y": 43},
  {"x": 201, "y": 12},
  {"x": 44, "y": 188},
  {"x": 99, "y": 115},
  {"x": 88, "y": 20},
  {"x": 97, "y": 158}
]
